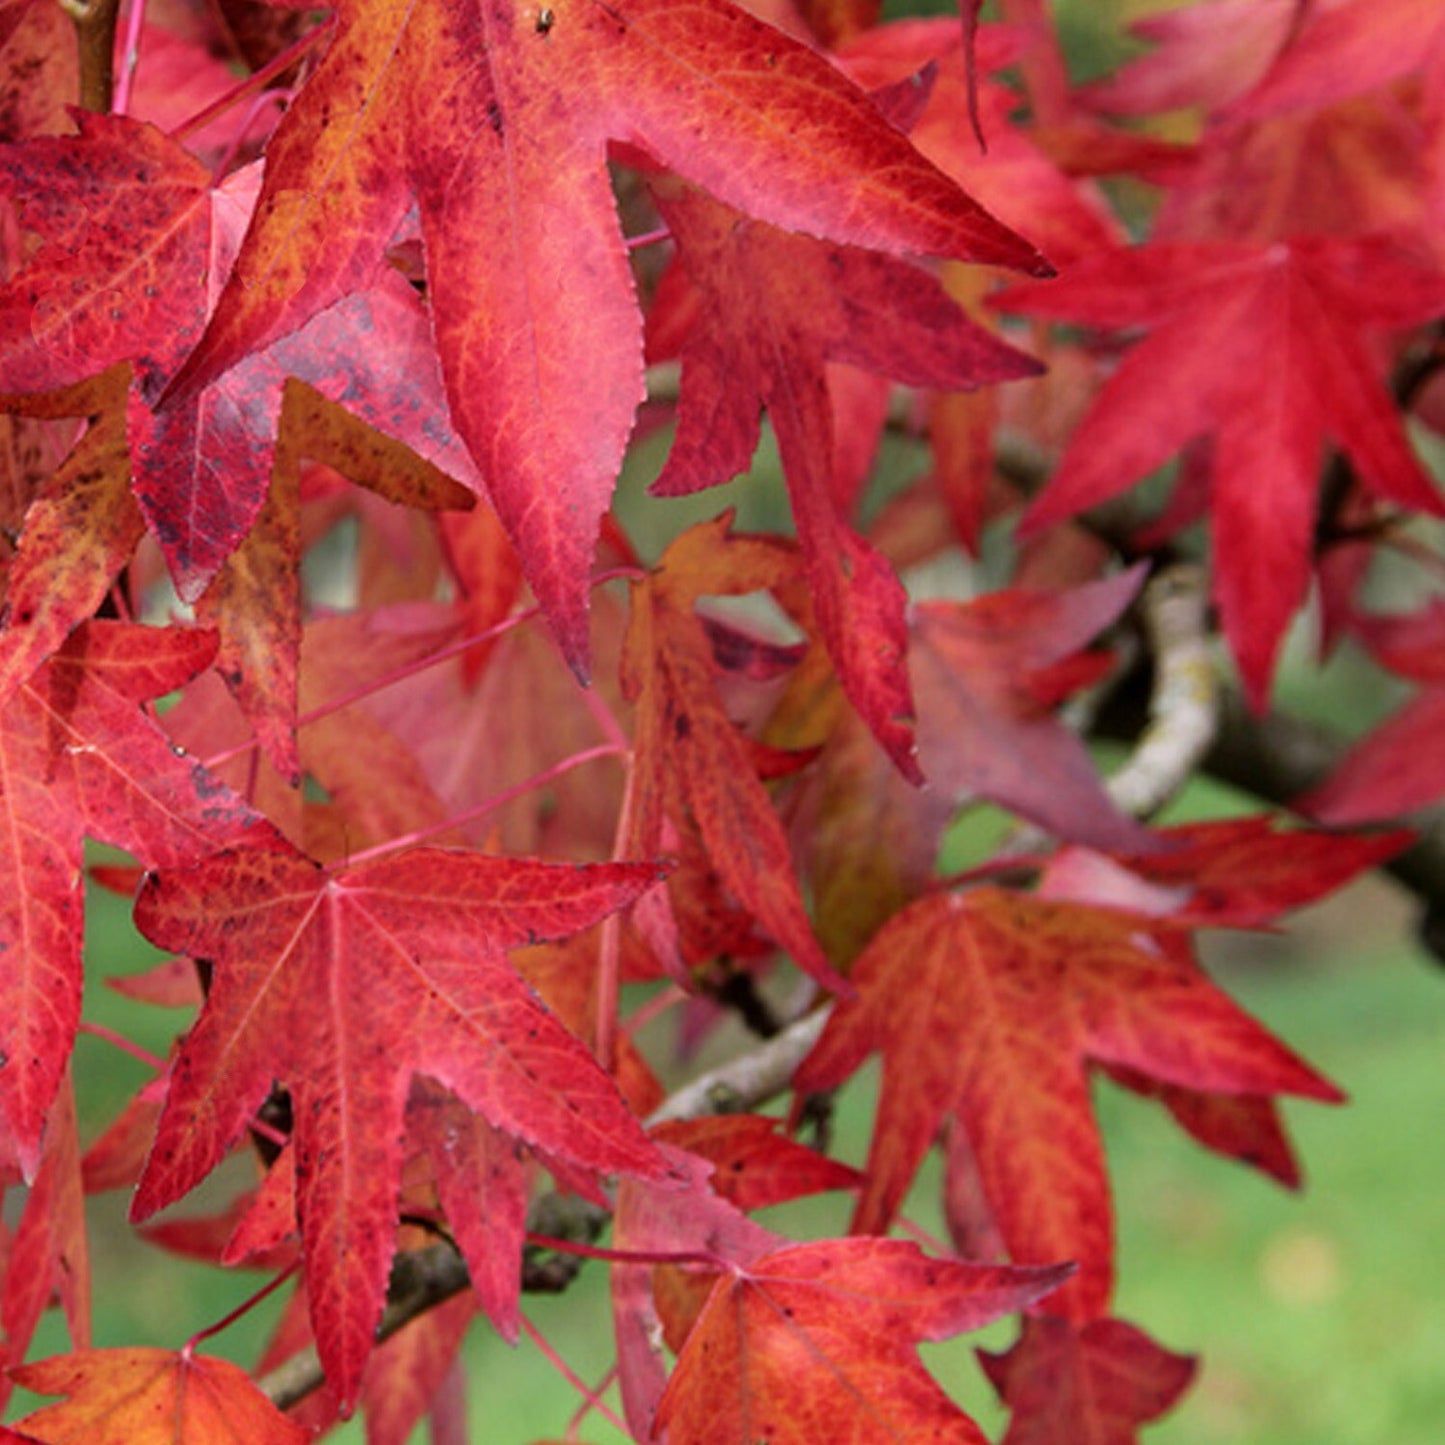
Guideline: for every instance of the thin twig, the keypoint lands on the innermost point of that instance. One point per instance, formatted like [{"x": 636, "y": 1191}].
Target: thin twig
[
  {"x": 422, "y": 1279},
  {"x": 748, "y": 1080}
]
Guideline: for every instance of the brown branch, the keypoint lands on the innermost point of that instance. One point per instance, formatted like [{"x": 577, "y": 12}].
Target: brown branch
[
  {"x": 95, "y": 22},
  {"x": 422, "y": 1279},
  {"x": 1277, "y": 757}
]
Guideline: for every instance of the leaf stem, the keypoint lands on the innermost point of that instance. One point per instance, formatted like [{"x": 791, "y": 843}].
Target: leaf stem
[
  {"x": 480, "y": 810},
  {"x": 130, "y": 57},
  {"x": 125, "y": 1045},
  {"x": 590, "y": 1396},
  {"x": 244, "y": 1308},
  {"x": 590, "y": 1402},
  {"x": 258, "y": 80},
  {"x": 704, "y": 1258},
  {"x": 649, "y": 238}
]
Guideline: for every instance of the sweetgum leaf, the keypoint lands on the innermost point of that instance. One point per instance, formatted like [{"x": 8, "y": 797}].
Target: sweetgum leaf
[
  {"x": 1022, "y": 993},
  {"x": 983, "y": 672},
  {"x": 151, "y": 1397},
  {"x": 78, "y": 758},
  {"x": 690, "y": 757},
  {"x": 1212, "y": 310},
  {"x": 775, "y": 308},
  {"x": 820, "y": 1342},
  {"x": 135, "y": 243},
  {"x": 1094, "y": 1384},
  {"x": 344, "y": 986},
  {"x": 537, "y": 325}
]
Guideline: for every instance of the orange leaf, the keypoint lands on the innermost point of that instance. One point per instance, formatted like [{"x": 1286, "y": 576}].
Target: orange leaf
[
  {"x": 150, "y": 1397},
  {"x": 819, "y": 1342},
  {"x": 690, "y": 756},
  {"x": 987, "y": 1007}
]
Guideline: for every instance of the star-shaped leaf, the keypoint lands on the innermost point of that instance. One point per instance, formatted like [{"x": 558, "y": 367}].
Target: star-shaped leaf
[
  {"x": 495, "y": 119},
  {"x": 150, "y": 1397},
  {"x": 344, "y": 986},
  {"x": 1212, "y": 312},
  {"x": 1021, "y": 992},
  {"x": 820, "y": 1341}
]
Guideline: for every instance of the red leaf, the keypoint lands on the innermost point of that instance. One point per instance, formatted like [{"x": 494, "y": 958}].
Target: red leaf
[
  {"x": 49, "y": 1253},
  {"x": 1022, "y": 993},
  {"x": 979, "y": 668},
  {"x": 777, "y": 307},
  {"x": 1093, "y": 1384},
  {"x": 1349, "y": 49},
  {"x": 754, "y": 1165},
  {"x": 820, "y": 1342},
  {"x": 344, "y": 986},
  {"x": 79, "y": 758},
  {"x": 521, "y": 222},
  {"x": 1212, "y": 310},
  {"x": 1246, "y": 872},
  {"x": 151, "y": 1397},
  {"x": 690, "y": 756}
]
